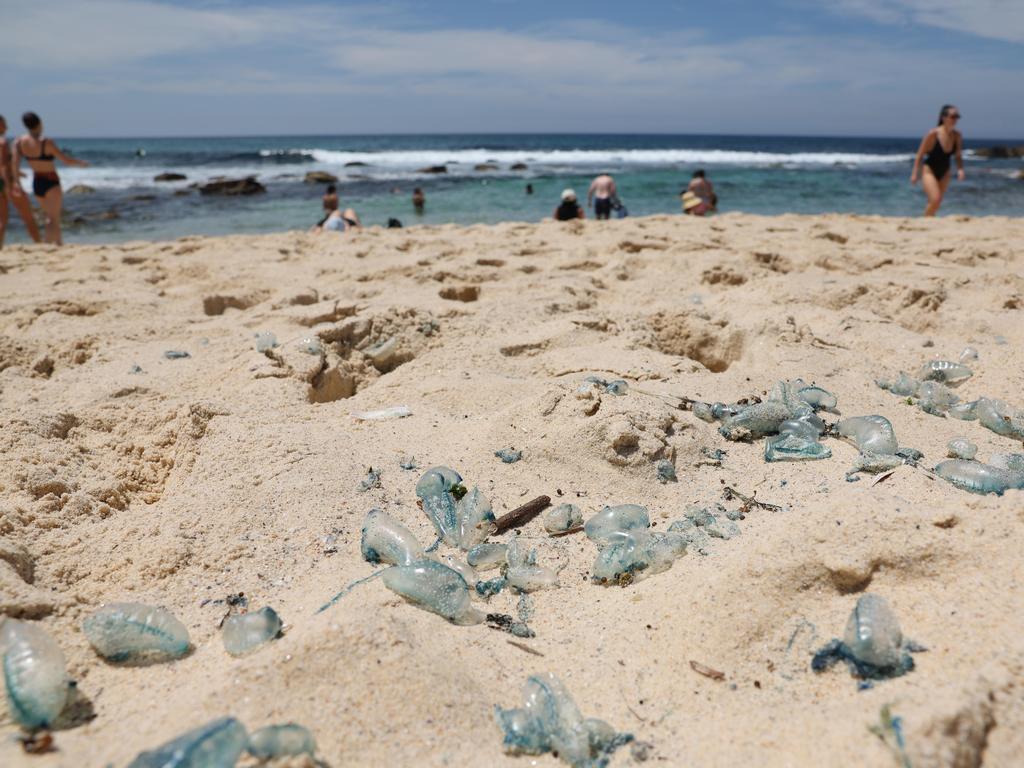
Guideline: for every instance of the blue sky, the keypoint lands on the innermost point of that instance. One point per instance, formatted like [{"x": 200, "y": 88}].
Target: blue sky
[{"x": 840, "y": 67}]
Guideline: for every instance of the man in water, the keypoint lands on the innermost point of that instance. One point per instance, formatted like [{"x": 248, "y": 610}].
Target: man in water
[
  {"x": 601, "y": 192},
  {"x": 419, "y": 200},
  {"x": 20, "y": 202},
  {"x": 703, "y": 189}
]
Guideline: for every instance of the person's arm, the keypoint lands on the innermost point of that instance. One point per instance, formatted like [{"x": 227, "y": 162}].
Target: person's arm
[
  {"x": 926, "y": 145},
  {"x": 5, "y": 164},
  {"x": 554, "y": 213},
  {"x": 612, "y": 191},
  {"x": 959, "y": 157},
  {"x": 66, "y": 158},
  {"x": 15, "y": 171},
  {"x": 590, "y": 192}
]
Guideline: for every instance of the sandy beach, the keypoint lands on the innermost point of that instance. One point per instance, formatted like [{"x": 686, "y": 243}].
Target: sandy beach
[{"x": 178, "y": 482}]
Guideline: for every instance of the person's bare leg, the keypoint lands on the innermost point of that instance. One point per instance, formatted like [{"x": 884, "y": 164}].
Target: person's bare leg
[
  {"x": 51, "y": 205},
  {"x": 24, "y": 209},
  {"x": 4, "y": 214},
  {"x": 351, "y": 215},
  {"x": 933, "y": 189}
]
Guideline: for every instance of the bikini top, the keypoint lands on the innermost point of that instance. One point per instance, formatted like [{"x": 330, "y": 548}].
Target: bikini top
[{"x": 43, "y": 157}]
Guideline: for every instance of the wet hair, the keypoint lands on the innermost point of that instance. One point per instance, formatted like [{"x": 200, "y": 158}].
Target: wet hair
[
  {"x": 698, "y": 174},
  {"x": 417, "y": 191},
  {"x": 31, "y": 120},
  {"x": 944, "y": 111},
  {"x": 331, "y": 189}
]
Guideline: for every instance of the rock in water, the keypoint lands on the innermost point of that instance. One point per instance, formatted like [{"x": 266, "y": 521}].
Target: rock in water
[
  {"x": 249, "y": 631},
  {"x": 123, "y": 631},
  {"x": 215, "y": 745},
  {"x": 168, "y": 176},
  {"x": 320, "y": 177},
  {"x": 233, "y": 187},
  {"x": 34, "y": 673}
]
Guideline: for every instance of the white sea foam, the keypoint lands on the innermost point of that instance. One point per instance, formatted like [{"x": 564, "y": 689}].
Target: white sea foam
[
  {"x": 398, "y": 164},
  {"x": 594, "y": 157}
]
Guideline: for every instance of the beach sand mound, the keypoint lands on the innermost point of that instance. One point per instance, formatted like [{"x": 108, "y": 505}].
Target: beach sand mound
[{"x": 183, "y": 480}]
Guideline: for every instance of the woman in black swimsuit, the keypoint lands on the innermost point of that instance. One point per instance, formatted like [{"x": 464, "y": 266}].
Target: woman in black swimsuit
[
  {"x": 42, "y": 154},
  {"x": 940, "y": 144}
]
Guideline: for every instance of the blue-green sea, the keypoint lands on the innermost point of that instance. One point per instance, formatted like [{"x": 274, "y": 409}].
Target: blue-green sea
[{"x": 757, "y": 174}]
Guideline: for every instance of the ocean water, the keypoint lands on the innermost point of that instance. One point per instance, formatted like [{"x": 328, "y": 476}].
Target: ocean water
[{"x": 755, "y": 174}]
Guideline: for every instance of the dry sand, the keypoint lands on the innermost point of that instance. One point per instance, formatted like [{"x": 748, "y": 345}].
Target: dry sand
[{"x": 216, "y": 474}]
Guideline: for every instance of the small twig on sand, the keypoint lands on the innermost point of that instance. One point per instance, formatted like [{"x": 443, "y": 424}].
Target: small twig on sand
[
  {"x": 701, "y": 669},
  {"x": 524, "y": 647},
  {"x": 682, "y": 403},
  {"x": 748, "y": 501},
  {"x": 559, "y": 534},
  {"x": 521, "y": 515}
]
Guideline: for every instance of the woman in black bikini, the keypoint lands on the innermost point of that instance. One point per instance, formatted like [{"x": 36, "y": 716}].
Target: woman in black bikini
[
  {"x": 941, "y": 144},
  {"x": 41, "y": 154}
]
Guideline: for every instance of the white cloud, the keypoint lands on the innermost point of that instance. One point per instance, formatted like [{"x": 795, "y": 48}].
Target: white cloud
[{"x": 995, "y": 19}]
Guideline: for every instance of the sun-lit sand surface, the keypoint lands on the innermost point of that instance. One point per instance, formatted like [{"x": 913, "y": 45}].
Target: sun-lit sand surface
[{"x": 234, "y": 471}]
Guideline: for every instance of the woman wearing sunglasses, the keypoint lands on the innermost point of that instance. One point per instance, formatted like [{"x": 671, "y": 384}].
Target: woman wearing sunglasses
[{"x": 940, "y": 144}]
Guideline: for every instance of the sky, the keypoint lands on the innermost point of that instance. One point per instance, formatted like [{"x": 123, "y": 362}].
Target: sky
[{"x": 796, "y": 67}]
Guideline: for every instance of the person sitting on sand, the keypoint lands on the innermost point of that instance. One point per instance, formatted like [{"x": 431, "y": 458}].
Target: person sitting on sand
[
  {"x": 330, "y": 203},
  {"x": 341, "y": 221},
  {"x": 419, "y": 200},
  {"x": 42, "y": 155},
  {"x": 6, "y": 186},
  {"x": 941, "y": 144},
  {"x": 602, "y": 190},
  {"x": 703, "y": 189},
  {"x": 569, "y": 208}
]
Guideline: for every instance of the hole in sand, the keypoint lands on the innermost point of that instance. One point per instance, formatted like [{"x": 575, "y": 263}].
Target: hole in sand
[{"x": 710, "y": 342}]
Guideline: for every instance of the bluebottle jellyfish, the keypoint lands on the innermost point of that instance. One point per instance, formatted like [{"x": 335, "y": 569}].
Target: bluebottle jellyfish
[
  {"x": 610, "y": 520},
  {"x": 616, "y": 387},
  {"x": 979, "y": 478},
  {"x": 372, "y": 480},
  {"x": 385, "y": 540},
  {"x": 1001, "y": 418},
  {"x": 218, "y": 744},
  {"x": 436, "y": 490},
  {"x": 872, "y": 646},
  {"x": 523, "y": 573},
  {"x": 791, "y": 447},
  {"x": 903, "y": 385},
  {"x": 872, "y": 434},
  {"x": 936, "y": 398},
  {"x": 124, "y": 631},
  {"x": 248, "y": 631},
  {"x": 758, "y": 420},
  {"x": 562, "y": 518},
  {"x": 311, "y": 346},
  {"x": 817, "y": 398},
  {"x": 485, "y": 556},
  {"x": 286, "y": 740},
  {"x": 945, "y": 371},
  {"x": 34, "y": 673},
  {"x": 464, "y": 569},
  {"x": 630, "y": 556},
  {"x": 961, "y": 448},
  {"x": 435, "y": 588},
  {"x": 509, "y": 455},
  {"x": 550, "y": 721},
  {"x": 265, "y": 341},
  {"x": 666, "y": 471}
]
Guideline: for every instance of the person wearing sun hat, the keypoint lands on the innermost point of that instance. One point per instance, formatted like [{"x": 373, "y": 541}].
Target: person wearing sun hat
[
  {"x": 569, "y": 209},
  {"x": 693, "y": 204}
]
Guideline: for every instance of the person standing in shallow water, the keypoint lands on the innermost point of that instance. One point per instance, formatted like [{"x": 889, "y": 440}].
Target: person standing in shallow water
[
  {"x": 940, "y": 144},
  {"x": 419, "y": 200},
  {"x": 601, "y": 192},
  {"x": 42, "y": 155},
  {"x": 20, "y": 204}
]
